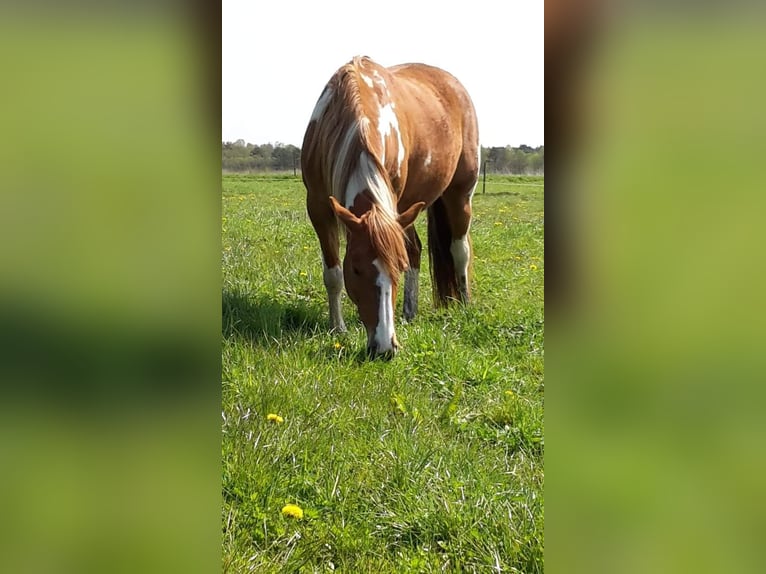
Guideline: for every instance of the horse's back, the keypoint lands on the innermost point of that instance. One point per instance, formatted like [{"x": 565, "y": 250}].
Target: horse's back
[
  {"x": 436, "y": 129},
  {"x": 443, "y": 127},
  {"x": 439, "y": 95}
]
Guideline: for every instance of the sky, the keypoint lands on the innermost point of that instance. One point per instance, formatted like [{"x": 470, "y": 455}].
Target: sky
[{"x": 278, "y": 56}]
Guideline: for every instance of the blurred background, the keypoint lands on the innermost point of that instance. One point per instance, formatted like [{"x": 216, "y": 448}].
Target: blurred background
[
  {"x": 654, "y": 281},
  {"x": 109, "y": 287}
]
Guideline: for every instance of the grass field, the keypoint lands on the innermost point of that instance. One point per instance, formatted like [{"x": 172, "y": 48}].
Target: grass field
[{"x": 431, "y": 462}]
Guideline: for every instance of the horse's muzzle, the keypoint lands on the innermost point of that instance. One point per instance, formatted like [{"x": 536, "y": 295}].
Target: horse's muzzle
[{"x": 375, "y": 352}]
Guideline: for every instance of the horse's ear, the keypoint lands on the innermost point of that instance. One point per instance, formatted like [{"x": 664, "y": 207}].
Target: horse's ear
[
  {"x": 349, "y": 219},
  {"x": 408, "y": 217}
]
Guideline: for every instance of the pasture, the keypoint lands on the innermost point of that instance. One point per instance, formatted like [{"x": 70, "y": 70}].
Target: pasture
[{"x": 430, "y": 462}]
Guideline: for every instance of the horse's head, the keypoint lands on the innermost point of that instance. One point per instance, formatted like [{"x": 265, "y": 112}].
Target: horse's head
[{"x": 375, "y": 257}]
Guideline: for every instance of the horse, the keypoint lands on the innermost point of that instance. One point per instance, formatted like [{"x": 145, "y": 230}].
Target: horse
[{"x": 382, "y": 144}]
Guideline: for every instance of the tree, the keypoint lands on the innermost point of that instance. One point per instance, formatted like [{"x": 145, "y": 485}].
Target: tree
[{"x": 517, "y": 161}]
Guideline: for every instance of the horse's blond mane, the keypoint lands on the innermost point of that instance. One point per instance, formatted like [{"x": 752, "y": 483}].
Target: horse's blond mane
[
  {"x": 345, "y": 149},
  {"x": 387, "y": 238},
  {"x": 344, "y": 131}
]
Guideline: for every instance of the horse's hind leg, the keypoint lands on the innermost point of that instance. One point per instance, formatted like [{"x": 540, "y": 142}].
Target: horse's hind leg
[
  {"x": 457, "y": 204},
  {"x": 411, "y": 276},
  {"x": 326, "y": 227}
]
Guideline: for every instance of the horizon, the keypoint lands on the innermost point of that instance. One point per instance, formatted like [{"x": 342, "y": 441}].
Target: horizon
[
  {"x": 278, "y": 143},
  {"x": 499, "y": 60}
]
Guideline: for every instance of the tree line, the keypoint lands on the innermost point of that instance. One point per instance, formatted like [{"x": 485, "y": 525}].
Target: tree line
[{"x": 240, "y": 156}]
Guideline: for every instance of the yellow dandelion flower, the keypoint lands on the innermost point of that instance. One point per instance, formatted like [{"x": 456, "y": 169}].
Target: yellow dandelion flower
[
  {"x": 533, "y": 267},
  {"x": 510, "y": 393},
  {"x": 498, "y": 222},
  {"x": 303, "y": 274},
  {"x": 293, "y": 511},
  {"x": 337, "y": 346},
  {"x": 274, "y": 418}
]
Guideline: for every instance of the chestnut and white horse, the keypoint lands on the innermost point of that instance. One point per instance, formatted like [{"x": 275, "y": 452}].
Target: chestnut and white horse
[{"x": 382, "y": 144}]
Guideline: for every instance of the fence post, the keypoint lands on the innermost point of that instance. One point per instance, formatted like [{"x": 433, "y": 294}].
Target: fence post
[{"x": 484, "y": 182}]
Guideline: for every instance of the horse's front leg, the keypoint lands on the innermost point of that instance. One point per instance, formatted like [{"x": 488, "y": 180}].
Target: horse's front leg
[
  {"x": 412, "y": 275},
  {"x": 326, "y": 227}
]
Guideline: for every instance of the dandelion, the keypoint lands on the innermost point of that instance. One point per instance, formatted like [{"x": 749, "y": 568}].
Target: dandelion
[
  {"x": 337, "y": 346},
  {"x": 533, "y": 267},
  {"x": 498, "y": 222},
  {"x": 303, "y": 274},
  {"x": 274, "y": 418},
  {"x": 510, "y": 393},
  {"x": 293, "y": 511}
]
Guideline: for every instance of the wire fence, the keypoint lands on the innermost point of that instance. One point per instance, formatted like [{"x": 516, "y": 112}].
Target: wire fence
[{"x": 482, "y": 184}]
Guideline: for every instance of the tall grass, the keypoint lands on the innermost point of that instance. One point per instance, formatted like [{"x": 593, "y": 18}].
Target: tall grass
[{"x": 430, "y": 462}]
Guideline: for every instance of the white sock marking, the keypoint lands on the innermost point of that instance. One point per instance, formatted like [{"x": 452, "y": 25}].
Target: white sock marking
[
  {"x": 461, "y": 255},
  {"x": 411, "y": 277},
  {"x": 333, "y": 282}
]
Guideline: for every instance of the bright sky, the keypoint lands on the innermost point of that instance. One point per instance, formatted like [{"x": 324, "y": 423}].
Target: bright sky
[{"x": 278, "y": 55}]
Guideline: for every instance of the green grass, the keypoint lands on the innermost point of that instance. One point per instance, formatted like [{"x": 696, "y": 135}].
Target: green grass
[{"x": 430, "y": 462}]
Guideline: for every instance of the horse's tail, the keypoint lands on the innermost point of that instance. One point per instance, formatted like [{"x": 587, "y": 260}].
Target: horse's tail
[{"x": 445, "y": 286}]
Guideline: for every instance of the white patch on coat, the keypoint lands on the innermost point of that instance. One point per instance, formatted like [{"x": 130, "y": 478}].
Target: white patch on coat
[
  {"x": 367, "y": 80},
  {"x": 427, "y": 162},
  {"x": 388, "y": 123},
  {"x": 379, "y": 78},
  {"x": 478, "y": 175},
  {"x": 384, "y": 331}
]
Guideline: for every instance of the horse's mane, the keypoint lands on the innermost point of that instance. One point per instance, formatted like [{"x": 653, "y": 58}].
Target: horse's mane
[
  {"x": 345, "y": 130},
  {"x": 387, "y": 240}
]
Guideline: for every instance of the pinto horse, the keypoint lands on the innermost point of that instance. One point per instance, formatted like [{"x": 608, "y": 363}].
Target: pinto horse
[{"x": 382, "y": 144}]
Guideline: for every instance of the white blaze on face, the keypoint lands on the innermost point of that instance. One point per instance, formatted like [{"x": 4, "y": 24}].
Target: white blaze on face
[
  {"x": 321, "y": 104},
  {"x": 384, "y": 332},
  {"x": 427, "y": 162}
]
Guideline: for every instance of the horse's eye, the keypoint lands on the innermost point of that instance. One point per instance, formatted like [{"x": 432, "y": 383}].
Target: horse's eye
[{"x": 355, "y": 271}]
